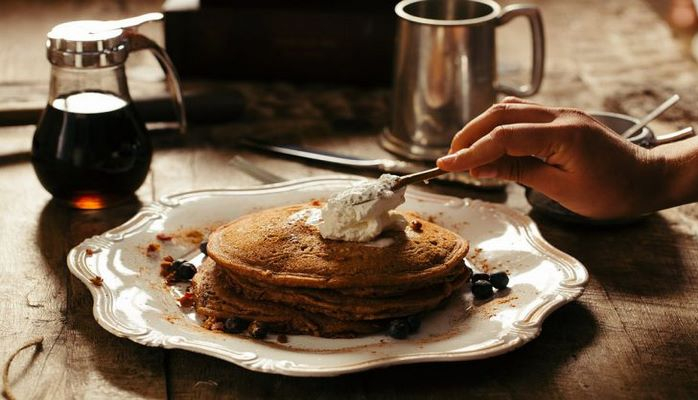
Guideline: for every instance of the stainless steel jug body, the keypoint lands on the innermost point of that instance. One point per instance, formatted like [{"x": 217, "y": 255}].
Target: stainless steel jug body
[{"x": 446, "y": 70}]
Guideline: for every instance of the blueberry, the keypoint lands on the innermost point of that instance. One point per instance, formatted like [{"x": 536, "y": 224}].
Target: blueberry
[
  {"x": 414, "y": 322},
  {"x": 258, "y": 330},
  {"x": 480, "y": 277},
  {"x": 235, "y": 325},
  {"x": 482, "y": 290},
  {"x": 399, "y": 328},
  {"x": 500, "y": 280},
  {"x": 202, "y": 247},
  {"x": 185, "y": 271}
]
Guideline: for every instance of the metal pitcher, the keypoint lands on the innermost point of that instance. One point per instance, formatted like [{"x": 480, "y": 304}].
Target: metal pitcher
[{"x": 446, "y": 70}]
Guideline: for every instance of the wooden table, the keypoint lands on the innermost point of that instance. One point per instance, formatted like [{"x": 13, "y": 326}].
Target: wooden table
[{"x": 633, "y": 334}]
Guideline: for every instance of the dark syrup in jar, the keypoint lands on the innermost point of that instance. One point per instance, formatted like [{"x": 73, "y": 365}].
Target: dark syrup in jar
[{"x": 91, "y": 150}]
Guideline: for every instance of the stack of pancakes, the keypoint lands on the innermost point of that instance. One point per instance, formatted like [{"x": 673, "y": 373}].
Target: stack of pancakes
[{"x": 273, "y": 267}]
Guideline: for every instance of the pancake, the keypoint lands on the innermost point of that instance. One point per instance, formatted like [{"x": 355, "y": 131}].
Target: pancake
[
  {"x": 274, "y": 267},
  {"x": 279, "y": 247},
  {"x": 215, "y": 298},
  {"x": 350, "y": 307}
]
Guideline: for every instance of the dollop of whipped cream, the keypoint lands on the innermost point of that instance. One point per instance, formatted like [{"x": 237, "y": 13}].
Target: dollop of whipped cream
[{"x": 362, "y": 212}]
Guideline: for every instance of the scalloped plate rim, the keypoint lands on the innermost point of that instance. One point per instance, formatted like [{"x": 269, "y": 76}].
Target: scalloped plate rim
[{"x": 533, "y": 324}]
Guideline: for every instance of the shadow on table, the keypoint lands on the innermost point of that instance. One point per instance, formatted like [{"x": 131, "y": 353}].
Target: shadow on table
[
  {"x": 645, "y": 270},
  {"x": 125, "y": 364},
  {"x": 642, "y": 258}
]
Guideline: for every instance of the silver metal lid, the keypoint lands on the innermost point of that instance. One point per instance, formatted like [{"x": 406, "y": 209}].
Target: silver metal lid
[
  {"x": 83, "y": 44},
  {"x": 91, "y": 43}
]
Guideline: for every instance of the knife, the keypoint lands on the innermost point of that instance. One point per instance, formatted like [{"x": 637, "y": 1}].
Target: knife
[{"x": 380, "y": 164}]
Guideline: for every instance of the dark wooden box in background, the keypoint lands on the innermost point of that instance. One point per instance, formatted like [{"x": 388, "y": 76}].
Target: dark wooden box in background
[{"x": 300, "y": 41}]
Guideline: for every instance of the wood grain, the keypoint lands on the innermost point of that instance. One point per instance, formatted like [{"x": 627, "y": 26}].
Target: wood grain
[{"x": 633, "y": 334}]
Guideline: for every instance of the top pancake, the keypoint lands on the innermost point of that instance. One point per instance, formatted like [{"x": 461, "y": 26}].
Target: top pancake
[{"x": 272, "y": 248}]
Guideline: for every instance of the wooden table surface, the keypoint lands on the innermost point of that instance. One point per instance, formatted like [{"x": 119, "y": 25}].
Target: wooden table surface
[{"x": 633, "y": 333}]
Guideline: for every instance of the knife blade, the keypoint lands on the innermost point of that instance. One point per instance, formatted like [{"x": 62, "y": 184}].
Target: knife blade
[{"x": 378, "y": 164}]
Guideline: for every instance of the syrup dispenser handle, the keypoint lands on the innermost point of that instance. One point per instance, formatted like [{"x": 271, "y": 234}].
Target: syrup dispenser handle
[{"x": 140, "y": 42}]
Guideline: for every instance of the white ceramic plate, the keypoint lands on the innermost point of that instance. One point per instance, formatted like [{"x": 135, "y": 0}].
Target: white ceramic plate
[{"x": 134, "y": 302}]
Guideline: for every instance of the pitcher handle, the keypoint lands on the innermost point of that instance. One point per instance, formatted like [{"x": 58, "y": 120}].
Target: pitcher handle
[
  {"x": 140, "y": 42},
  {"x": 536, "y": 23}
]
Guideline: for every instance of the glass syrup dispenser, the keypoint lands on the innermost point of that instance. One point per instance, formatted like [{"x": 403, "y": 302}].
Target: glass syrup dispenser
[{"x": 91, "y": 149}]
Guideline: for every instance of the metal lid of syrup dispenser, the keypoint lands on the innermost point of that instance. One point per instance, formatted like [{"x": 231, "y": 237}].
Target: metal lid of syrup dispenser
[{"x": 93, "y": 44}]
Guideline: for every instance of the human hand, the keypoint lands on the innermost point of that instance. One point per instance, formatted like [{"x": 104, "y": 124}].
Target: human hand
[{"x": 563, "y": 153}]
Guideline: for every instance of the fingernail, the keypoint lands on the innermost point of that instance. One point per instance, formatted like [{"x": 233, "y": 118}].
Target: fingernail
[
  {"x": 448, "y": 159},
  {"x": 446, "y": 162},
  {"x": 486, "y": 171}
]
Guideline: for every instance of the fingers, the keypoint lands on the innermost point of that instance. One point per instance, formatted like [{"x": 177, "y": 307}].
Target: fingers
[
  {"x": 538, "y": 140},
  {"x": 500, "y": 114}
]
